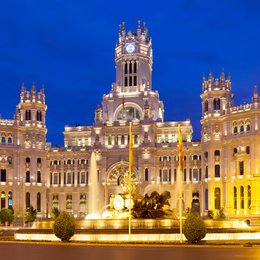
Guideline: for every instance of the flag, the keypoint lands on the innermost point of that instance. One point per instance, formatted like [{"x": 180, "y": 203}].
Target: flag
[
  {"x": 131, "y": 149},
  {"x": 180, "y": 149}
]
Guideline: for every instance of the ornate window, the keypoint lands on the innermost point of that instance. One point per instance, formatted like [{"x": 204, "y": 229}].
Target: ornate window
[{"x": 129, "y": 113}]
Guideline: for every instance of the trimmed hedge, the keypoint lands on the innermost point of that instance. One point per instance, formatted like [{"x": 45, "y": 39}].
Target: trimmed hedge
[
  {"x": 64, "y": 226},
  {"x": 194, "y": 228}
]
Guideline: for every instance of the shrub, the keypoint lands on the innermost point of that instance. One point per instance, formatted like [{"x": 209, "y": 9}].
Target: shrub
[
  {"x": 6, "y": 215},
  {"x": 194, "y": 228},
  {"x": 30, "y": 214},
  {"x": 64, "y": 226}
]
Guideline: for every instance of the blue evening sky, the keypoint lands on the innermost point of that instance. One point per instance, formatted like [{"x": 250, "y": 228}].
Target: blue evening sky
[{"x": 69, "y": 47}]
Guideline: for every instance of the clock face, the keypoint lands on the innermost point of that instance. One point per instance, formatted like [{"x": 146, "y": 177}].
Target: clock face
[{"x": 130, "y": 47}]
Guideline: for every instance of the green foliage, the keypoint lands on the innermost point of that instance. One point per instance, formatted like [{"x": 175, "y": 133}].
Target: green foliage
[
  {"x": 55, "y": 212},
  {"x": 64, "y": 226},
  {"x": 194, "y": 228},
  {"x": 30, "y": 214},
  {"x": 6, "y": 215}
]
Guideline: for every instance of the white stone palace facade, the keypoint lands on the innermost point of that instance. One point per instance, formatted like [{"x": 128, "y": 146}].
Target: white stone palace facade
[{"x": 220, "y": 172}]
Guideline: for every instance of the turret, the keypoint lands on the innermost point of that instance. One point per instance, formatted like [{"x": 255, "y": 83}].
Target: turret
[
  {"x": 216, "y": 95},
  {"x": 255, "y": 98},
  {"x": 98, "y": 115},
  {"x": 31, "y": 109}
]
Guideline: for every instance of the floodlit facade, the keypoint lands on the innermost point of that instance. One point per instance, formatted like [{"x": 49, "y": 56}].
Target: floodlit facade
[{"x": 220, "y": 172}]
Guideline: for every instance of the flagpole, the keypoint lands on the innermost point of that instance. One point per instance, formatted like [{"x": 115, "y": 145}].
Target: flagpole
[
  {"x": 131, "y": 164},
  {"x": 180, "y": 173}
]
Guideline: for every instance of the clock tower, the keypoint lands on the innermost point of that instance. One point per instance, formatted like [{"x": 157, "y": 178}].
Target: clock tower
[
  {"x": 131, "y": 96},
  {"x": 133, "y": 58}
]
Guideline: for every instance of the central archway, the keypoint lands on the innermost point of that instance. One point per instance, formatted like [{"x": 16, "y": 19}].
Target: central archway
[{"x": 114, "y": 178}]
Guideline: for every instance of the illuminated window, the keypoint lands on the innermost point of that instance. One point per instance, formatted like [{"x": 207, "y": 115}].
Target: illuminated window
[
  {"x": 129, "y": 113},
  {"x": 249, "y": 197},
  {"x": 3, "y": 200}
]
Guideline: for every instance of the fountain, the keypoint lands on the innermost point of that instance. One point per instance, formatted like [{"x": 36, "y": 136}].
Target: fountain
[{"x": 93, "y": 202}]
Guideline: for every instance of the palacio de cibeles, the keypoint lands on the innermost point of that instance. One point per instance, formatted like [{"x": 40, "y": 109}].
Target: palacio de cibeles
[{"x": 131, "y": 160}]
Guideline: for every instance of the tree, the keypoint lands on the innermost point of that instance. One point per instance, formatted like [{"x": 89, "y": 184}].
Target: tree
[
  {"x": 194, "y": 228},
  {"x": 30, "y": 214},
  {"x": 64, "y": 226},
  {"x": 6, "y": 215}
]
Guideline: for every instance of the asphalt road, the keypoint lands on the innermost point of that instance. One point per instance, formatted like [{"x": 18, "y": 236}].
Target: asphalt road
[{"x": 13, "y": 251}]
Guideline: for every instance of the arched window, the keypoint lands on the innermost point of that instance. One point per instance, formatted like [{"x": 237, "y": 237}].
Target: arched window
[
  {"x": 9, "y": 140},
  {"x": 27, "y": 176},
  {"x": 249, "y": 197},
  {"x": 28, "y": 115},
  {"x": 235, "y": 198},
  {"x": 217, "y": 171},
  {"x": 206, "y": 172},
  {"x": 216, "y": 104},
  {"x": 217, "y": 198},
  {"x": 38, "y": 208},
  {"x": 3, "y": 140},
  {"x": 135, "y": 67},
  {"x": 206, "y": 199},
  {"x": 146, "y": 174},
  {"x": 10, "y": 199},
  {"x": 135, "y": 139},
  {"x": 242, "y": 201},
  {"x": 185, "y": 175},
  {"x": 241, "y": 128},
  {"x": 3, "y": 200},
  {"x": 241, "y": 168},
  {"x": 125, "y": 67},
  {"x": 69, "y": 178},
  {"x": 122, "y": 139},
  {"x": 39, "y": 179},
  {"x": 3, "y": 175},
  {"x": 27, "y": 160},
  {"x": 83, "y": 177},
  {"x": 27, "y": 200},
  {"x": 235, "y": 130},
  {"x": 248, "y": 128},
  {"x": 39, "y": 116},
  {"x": 39, "y": 160},
  {"x": 206, "y": 106}
]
